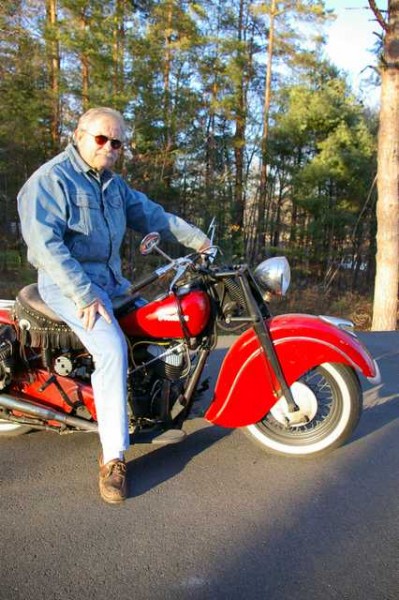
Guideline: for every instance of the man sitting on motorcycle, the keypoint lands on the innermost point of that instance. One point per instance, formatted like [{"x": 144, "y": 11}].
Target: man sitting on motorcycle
[{"x": 74, "y": 211}]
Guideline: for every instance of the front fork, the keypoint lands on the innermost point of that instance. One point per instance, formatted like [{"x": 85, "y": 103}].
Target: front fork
[{"x": 281, "y": 389}]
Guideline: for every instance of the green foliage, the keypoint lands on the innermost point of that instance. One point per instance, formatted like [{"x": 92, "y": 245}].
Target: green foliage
[
  {"x": 322, "y": 157},
  {"x": 189, "y": 76}
]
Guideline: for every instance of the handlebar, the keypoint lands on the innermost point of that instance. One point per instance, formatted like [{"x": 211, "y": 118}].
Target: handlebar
[
  {"x": 151, "y": 278},
  {"x": 179, "y": 265}
]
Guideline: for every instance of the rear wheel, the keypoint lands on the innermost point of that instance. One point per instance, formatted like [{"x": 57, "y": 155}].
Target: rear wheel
[
  {"x": 10, "y": 429},
  {"x": 331, "y": 397}
]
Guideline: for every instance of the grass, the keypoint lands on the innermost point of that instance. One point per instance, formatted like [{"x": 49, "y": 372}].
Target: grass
[{"x": 348, "y": 305}]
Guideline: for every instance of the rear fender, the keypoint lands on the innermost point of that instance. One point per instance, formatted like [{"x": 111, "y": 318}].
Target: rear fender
[
  {"x": 6, "y": 307},
  {"x": 244, "y": 390}
]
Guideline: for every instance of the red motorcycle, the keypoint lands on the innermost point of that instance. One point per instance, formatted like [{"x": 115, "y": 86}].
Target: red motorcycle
[{"x": 291, "y": 381}]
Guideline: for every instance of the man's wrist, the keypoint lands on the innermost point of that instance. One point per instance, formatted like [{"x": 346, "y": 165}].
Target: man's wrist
[{"x": 85, "y": 302}]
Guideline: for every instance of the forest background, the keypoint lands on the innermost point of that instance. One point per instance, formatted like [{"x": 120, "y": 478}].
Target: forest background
[{"x": 234, "y": 111}]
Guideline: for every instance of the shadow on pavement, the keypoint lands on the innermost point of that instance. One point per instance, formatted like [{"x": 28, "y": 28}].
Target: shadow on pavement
[
  {"x": 152, "y": 469},
  {"x": 381, "y": 402}
]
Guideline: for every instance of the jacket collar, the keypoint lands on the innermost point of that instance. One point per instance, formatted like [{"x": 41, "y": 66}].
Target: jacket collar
[{"x": 82, "y": 166}]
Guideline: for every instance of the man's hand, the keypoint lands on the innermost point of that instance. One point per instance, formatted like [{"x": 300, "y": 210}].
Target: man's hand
[
  {"x": 208, "y": 253},
  {"x": 88, "y": 314},
  {"x": 205, "y": 246}
]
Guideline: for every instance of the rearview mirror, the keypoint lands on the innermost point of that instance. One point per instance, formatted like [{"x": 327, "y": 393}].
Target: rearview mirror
[{"x": 149, "y": 243}]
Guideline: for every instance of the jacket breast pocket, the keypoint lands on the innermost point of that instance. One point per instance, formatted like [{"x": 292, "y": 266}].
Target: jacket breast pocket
[
  {"x": 85, "y": 215},
  {"x": 116, "y": 216}
]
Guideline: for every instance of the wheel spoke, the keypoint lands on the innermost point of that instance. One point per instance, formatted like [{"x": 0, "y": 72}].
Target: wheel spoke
[
  {"x": 322, "y": 388},
  {"x": 330, "y": 395}
]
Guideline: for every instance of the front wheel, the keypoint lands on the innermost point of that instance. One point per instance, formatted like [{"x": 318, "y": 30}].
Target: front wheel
[{"x": 331, "y": 397}]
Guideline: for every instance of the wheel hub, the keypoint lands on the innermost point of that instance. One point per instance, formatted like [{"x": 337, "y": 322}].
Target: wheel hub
[{"x": 306, "y": 401}]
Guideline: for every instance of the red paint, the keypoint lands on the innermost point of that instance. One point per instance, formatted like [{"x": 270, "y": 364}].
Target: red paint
[
  {"x": 5, "y": 316},
  {"x": 243, "y": 392},
  {"x": 160, "y": 319},
  {"x": 50, "y": 397}
]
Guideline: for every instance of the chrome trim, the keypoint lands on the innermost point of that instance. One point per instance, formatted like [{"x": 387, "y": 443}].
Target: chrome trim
[
  {"x": 7, "y": 304},
  {"x": 339, "y": 322},
  {"x": 274, "y": 275},
  {"x": 348, "y": 326},
  {"x": 377, "y": 377},
  {"x": 20, "y": 404}
]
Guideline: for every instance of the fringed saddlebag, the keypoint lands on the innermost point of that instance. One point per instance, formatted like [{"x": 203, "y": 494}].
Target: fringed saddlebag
[{"x": 38, "y": 325}]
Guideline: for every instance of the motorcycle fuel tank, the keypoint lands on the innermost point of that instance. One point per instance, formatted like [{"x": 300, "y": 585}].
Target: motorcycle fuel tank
[{"x": 163, "y": 318}]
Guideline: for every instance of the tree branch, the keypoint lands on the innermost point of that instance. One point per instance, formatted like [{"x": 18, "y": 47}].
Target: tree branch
[{"x": 378, "y": 14}]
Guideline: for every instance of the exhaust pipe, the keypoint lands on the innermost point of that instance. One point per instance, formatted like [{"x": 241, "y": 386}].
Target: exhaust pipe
[{"x": 45, "y": 413}]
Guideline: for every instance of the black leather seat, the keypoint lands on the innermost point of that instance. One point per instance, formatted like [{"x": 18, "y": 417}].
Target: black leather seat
[{"x": 29, "y": 296}]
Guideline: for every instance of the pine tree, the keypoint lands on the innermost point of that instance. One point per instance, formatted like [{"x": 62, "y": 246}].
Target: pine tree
[{"x": 289, "y": 39}]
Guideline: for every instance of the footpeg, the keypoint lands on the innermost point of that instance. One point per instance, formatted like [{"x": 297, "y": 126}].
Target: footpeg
[
  {"x": 157, "y": 437},
  {"x": 171, "y": 436}
]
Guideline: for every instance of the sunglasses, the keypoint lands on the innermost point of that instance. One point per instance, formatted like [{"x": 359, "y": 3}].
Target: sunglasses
[{"x": 101, "y": 140}]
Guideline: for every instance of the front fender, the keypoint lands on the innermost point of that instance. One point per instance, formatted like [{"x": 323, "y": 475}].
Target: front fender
[{"x": 244, "y": 391}]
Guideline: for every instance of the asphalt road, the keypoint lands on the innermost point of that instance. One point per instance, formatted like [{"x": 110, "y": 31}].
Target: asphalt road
[{"x": 213, "y": 517}]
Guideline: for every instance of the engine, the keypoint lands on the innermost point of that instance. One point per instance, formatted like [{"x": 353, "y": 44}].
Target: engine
[
  {"x": 166, "y": 360},
  {"x": 70, "y": 364},
  {"x": 157, "y": 374}
]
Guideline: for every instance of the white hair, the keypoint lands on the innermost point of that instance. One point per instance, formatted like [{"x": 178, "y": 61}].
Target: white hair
[{"x": 102, "y": 111}]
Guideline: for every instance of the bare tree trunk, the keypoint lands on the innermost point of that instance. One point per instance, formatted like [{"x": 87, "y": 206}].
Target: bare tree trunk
[
  {"x": 84, "y": 60},
  {"x": 117, "y": 51},
  {"x": 265, "y": 130},
  {"x": 210, "y": 147},
  {"x": 387, "y": 272},
  {"x": 169, "y": 136},
  {"x": 267, "y": 100},
  {"x": 239, "y": 134},
  {"x": 54, "y": 67},
  {"x": 85, "y": 80},
  {"x": 278, "y": 221}
]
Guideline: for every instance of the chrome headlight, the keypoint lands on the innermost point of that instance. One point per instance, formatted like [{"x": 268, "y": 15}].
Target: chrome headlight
[{"x": 274, "y": 275}]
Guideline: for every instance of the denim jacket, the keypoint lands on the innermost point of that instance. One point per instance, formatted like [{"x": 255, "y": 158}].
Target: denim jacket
[{"x": 73, "y": 223}]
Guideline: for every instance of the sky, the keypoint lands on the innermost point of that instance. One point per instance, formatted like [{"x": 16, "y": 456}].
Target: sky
[{"x": 350, "y": 39}]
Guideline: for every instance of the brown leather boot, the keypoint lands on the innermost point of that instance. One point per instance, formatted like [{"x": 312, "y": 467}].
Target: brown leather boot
[{"x": 113, "y": 481}]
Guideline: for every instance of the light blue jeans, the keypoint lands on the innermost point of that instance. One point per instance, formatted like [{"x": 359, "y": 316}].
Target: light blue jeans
[{"x": 107, "y": 344}]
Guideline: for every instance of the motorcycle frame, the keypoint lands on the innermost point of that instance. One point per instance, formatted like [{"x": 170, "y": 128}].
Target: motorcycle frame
[{"x": 263, "y": 352}]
